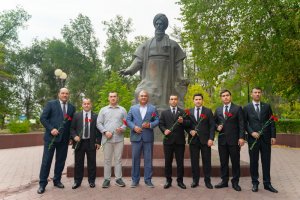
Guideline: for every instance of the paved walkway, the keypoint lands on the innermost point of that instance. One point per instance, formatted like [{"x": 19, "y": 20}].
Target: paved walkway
[{"x": 19, "y": 170}]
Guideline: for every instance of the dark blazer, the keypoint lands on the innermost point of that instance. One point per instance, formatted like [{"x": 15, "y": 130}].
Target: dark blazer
[
  {"x": 233, "y": 127},
  {"x": 77, "y": 127},
  {"x": 167, "y": 120},
  {"x": 52, "y": 117},
  {"x": 254, "y": 124},
  {"x": 206, "y": 128}
]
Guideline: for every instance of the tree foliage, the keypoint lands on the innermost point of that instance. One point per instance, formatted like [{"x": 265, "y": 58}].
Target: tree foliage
[{"x": 256, "y": 41}]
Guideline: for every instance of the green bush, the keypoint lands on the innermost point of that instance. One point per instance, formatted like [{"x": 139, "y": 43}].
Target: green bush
[
  {"x": 288, "y": 126},
  {"x": 19, "y": 127}
]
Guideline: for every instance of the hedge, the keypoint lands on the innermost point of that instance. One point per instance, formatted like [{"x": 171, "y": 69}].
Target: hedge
[{"x": 291, "y": 126}]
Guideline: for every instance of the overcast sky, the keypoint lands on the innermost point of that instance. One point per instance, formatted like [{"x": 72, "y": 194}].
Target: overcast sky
[{"x": 49, "y": 16}]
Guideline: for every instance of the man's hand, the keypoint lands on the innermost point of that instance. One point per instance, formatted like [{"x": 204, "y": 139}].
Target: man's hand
[
  {"x": 220, "y": 127},
  {"x": 119, "y": 130},
  {"x": 97, "y": 146},
  {"x": 210, "y": 143},
  {"x": 108, "y": 134},
  {"x": 70, "y": 142},
  {"x": 54, "y": 132},
  {"x": 77, "y": 138},
  {"x": 241, "y": 142},
  {"x": 137, "y": 129},
  {"x": 255, "y": 135},
  {"x": 273, "y": 141},
  {"x": 146, "y": 125},
  {"x": 193, "y": 132},
  {"x": 167, "y": 132},
  {"x": 180, "y": 120}
]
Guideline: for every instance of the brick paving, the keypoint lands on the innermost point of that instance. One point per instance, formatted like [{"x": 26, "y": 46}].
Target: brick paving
[{"x": 19, "y": 170}]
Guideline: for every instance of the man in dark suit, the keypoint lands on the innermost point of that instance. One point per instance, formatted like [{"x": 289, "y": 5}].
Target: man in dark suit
[
  {"x": 201, "y": 137},
  {"x": 56, "y": 118},
  {"x": 174, "y": 140},
  {"x": 230, "y": 125},
  {"x": 142, "y": 118},
  {"x": 256, "y": 114},
  {"x": 88, "y": 139}
]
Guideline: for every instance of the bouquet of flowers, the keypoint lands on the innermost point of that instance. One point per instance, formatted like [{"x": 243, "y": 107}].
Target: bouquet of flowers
[
  {"x": 183, "y": 115},
  {"x": 202, "y": 117},
  {"x": 261, "y": 132},
  {"x": 66, "y": 119}
]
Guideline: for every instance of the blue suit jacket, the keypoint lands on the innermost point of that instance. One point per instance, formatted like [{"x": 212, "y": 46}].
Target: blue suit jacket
[
  {"x": 134, "y": 118},
  {"x": 52, "y": 117}
]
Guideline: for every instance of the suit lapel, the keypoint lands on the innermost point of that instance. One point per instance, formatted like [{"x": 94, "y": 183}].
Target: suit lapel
[
  {"x": 252, "y": 108},
  {"x": 59, "y": 108},
  {"x": 192, "y": 111}
]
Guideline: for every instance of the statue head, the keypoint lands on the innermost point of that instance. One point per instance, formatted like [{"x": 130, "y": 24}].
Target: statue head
[{"x": 160, "y": 23}]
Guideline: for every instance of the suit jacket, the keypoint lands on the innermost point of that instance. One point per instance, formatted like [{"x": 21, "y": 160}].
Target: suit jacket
[
  {"x": 233, "y": 127},
  {"x": 206, "y": 128},
  {"x": 167, "y": 120},
  {"x": 77, "y": 128},
  {"x": 253, "y": 123},
  {"x": 134, "y": 118},
  {"x": 52, "y": 117}
]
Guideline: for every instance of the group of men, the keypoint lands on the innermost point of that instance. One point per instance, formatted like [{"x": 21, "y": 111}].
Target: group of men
[{"x": 87, "y": 131}]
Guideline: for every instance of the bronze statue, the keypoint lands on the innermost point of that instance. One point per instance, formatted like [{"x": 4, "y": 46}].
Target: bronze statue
[{"x": 160, "y": 62}]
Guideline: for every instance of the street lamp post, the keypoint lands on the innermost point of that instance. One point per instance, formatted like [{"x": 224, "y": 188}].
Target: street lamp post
[{"x": 60, "y": 77}]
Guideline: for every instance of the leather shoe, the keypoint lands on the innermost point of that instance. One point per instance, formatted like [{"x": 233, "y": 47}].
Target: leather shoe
[
  {"x": 236, "y": 187},
  {"x": 208, "y": 185},
  {"x": 221, "y": 185},
  {"x": 181, "y": 185},
  {"x": 270, "y": 188},
  {"x": 167, "y": 185},
  {"x": 255, "y": 188},
  {"x": 92, "y": 185},
  {"x": 41, "y": 190},
  {"x": 59, "y": 185},
  {"x": 193, "y": 185},
  {"x": 75, "y": 185}
]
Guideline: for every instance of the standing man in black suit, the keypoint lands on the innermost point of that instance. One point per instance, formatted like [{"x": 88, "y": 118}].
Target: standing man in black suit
[
  {"x": 257, "y": 113},
  {"x": 230, "y": 125},
  {"x": 174, "y": 140},
  {"x": 88, "y": 139},
  {"x": 201, "y": 138},
  {"x": 56, "y": 118}
]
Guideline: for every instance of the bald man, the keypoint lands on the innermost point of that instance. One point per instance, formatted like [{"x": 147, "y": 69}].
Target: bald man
[{"x": 56, "y": 118}]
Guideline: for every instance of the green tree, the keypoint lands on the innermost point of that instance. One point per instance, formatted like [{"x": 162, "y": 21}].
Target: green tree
[{"x": 257, "y": 42}]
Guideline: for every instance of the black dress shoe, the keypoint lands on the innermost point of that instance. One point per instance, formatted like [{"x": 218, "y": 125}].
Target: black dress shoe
[
  {"x": 236, "y": 187},
  {"x": 270, "y": 188},
  {"x": 59, "y": 185},
  {"x": 75, "y": 185},
  {"x": 181, "y": 185},
  {"x": 208, "y": 185},
  {"x": 221, "y": 185},
  {"x": 167, "y": 185},
  {"x": 193, "y": 185},
  {"x": 92, "y": 185},
  {"x": 41, "y": 190},
  {"x": 254, "y": 188}
]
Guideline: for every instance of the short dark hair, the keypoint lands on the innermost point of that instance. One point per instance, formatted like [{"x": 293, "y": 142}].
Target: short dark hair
[
  {"x": 257, "y": 88},
  {"x": 198, "y": 95},
  {"x": 112, "y": 92},
  {"x": 223, "y": 91}
]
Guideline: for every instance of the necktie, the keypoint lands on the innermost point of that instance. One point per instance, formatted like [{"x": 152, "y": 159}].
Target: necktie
[
  {"x": 198, "y": 114},
  {"x": 86, "y": 126},
  {"x": 64, "y": 108},
  {"x": 226, "y": 111},
  {"x": 257, "y": 109},
  {"x": 173, "y": 111}
]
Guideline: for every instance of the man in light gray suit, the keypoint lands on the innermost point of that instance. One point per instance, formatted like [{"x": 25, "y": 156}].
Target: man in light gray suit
[{"x": 142, "y": 118}]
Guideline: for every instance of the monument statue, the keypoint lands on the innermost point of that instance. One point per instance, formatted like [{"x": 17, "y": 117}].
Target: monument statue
[{"x": 160, "y": 62}]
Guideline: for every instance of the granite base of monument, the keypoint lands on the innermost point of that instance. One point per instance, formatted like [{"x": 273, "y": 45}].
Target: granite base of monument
[{"x": 159, "y": 163}]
